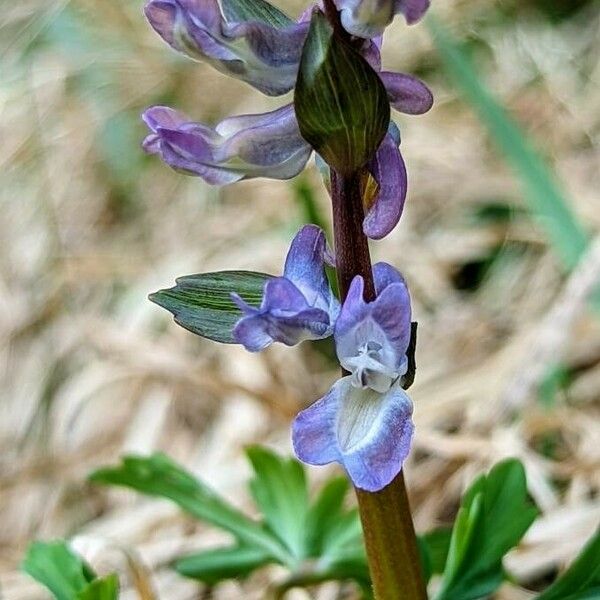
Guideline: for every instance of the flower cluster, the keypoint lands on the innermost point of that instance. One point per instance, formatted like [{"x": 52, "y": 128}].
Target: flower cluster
[
  {"x": 364, "y": 421},
  {"x": 260, "y": 45}
]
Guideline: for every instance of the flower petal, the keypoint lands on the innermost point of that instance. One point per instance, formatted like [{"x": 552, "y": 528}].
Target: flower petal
[
  {"x": 384, "y": 322},
  {"x": 314, "y": 430},
  {"x": 369, "y": 18},
  {"x": 366, "y": 18},
  {"x": 407, "y": 94},
  {"x": 243, "y": 147},
  {"x": 263, "y": 52},
  {"x": 367, "y": 432},
  {"x": 388, "y": 169},
  {"x": 305, "y": 267},
  {"x": 284, "y": 316},
  {"x": 384, "y": 275}
]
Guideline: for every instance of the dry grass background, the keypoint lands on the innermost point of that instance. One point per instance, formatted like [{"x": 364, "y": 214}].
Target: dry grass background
[{"x": 88, "y": 227}]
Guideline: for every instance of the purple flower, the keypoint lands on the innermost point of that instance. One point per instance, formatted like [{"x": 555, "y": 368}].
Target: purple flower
[
  {"x": 255, "y": 43},
  {"x": 369, "y": 18},
  {"x": 259, "y": 44},
  {"x": 296, "y": 307},
  {"x": 242, "y": 147},
  {"x": 406, "y": 93},
  {"x": 389, "y": 172},
  {"x": 364, "y": 421}
]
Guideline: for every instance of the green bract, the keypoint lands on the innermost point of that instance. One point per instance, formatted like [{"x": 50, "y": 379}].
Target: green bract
[
  {"x": 202, "y": 303},
  {"x": 341, "y": 104},
  {"x": 254, "y": 10}
]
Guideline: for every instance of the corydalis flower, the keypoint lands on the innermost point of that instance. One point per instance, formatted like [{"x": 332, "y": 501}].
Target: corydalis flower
[
  {"x": 369, "y": 18},
  {"x": 270, "y": 145},
  {"x": 264, "y": 145},
  {"x": 255, "y": 42},
  {"x": 364, "y": 421},
  {"x": 297, "y": 306}
]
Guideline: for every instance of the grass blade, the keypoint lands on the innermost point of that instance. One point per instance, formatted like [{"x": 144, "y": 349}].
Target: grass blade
[{"x": 545, "y": 199}]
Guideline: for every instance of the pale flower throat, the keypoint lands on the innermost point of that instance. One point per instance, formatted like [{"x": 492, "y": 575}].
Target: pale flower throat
[{"x": 368, "y": 370}]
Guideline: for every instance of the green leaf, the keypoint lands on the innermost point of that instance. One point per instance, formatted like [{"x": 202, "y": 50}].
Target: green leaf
[
  {"x": 349, "y": 562},
  {"x": 344, "y": 533},
  {"x": 545, "y": 199},
  {"x": 55, "y": 566},
  {"x": 494, "y": 515},
  {"x": 581, "y": 581},
  {"x": 106, "y": 588},
  {"x": 437, "y": 543},
  {"x": 340, "y": 102},
  {"x": 254, "y": 10},
  {"x": 202, "y": 303},
  {"x": 215, "y": 565},
  {"x": 279, "y": 489},
  {"x": 158, "y": 476},
  {"x": 323, "y": 518}
]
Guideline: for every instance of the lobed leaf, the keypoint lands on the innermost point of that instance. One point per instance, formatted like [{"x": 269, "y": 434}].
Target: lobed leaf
[
  {"x": 279, "y": 490},
  {"x": 158, "y": 476},
  {"x": 494, "y": 515}
]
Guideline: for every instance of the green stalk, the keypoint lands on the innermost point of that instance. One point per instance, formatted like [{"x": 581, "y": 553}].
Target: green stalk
[{"x": 389, "y": 533}]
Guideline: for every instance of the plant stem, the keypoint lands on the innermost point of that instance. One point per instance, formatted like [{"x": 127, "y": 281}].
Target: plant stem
[{"x": 390, "y": 538}]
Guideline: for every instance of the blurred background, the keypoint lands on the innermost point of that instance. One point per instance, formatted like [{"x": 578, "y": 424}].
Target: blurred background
[{"x": 498, "y": 250}]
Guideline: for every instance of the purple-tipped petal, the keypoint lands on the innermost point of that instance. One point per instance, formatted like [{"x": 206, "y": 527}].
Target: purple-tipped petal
[
  {"x": 284, "y": 316},
  {"x": 263, "y": 145},
  {"x": 367, "y": 432},
  {"x": 369, "y": 18},
  {"x": 371, "y": 52},
  {"x": 263, "y": 53},
  {"x": 257, "y": 332},
  {"x": 304, "y": 266},
  {"x": 372, "y": 337},
  {"x": 407, "y": 94},
  {"x": 163, "y": 116},
  {"x": 252, "y": 333},
  {"x": 384, "y": 275},
  {"x": 314, "y": 430},
  {"x": 389, "y": 171},
  {"x": 296, "y": 307},
  {"x": 282, "y": 295}
]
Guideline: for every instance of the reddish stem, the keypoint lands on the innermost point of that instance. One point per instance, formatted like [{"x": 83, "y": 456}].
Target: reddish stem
[{"x": 390, "y": 539}]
